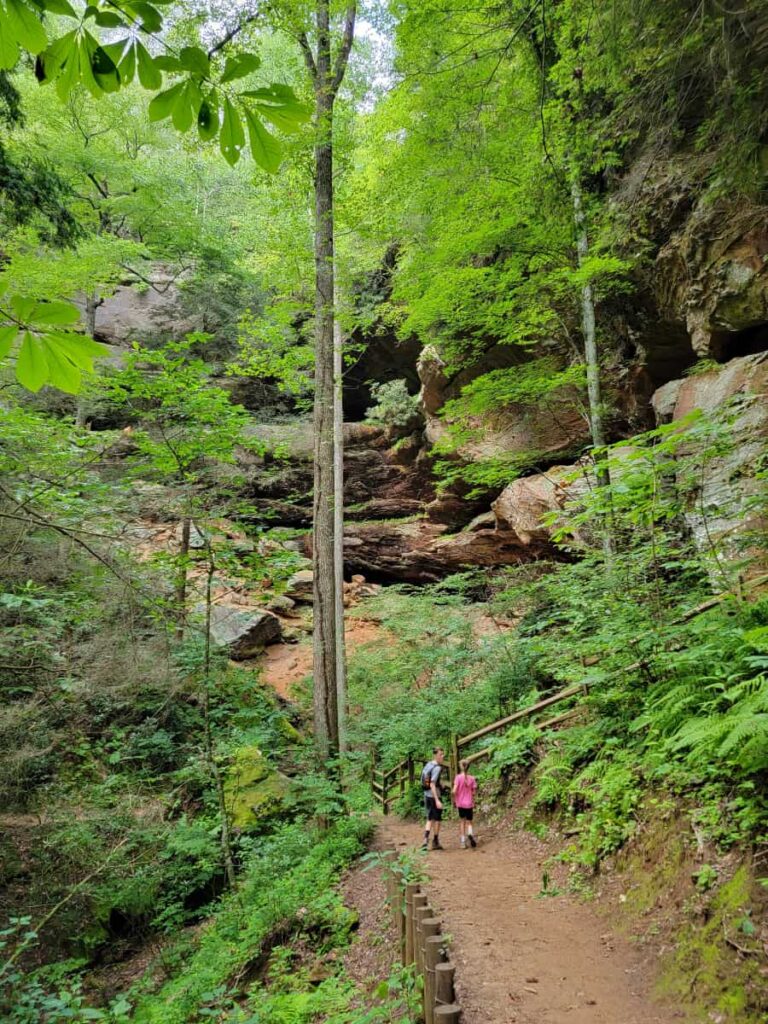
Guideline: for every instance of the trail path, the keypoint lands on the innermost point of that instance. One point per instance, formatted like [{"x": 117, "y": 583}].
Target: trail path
[{"x": 523, "y": 959}]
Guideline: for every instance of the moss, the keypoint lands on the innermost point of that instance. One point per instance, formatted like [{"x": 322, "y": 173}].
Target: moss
[{"x": 253, "y": 790}]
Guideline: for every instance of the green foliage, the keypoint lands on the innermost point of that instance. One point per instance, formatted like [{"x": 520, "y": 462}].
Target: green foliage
[{"x": 394, "y": 406}]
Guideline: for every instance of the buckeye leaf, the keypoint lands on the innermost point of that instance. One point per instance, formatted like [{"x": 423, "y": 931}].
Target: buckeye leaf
[
  {"x": 231, "y": 136},
  {"x": 22, "y": 306},
  {"x": 9, "y": 48},
  {"x": 31, "y": 364},
  {"x": 192, "y": 58},
  {"x": 80, "y": 349},
  {"x": 163, "y": 104},
  {"x": 265, "y": 148},
  {"x": 239, "y": 66},
  {"x": 109, "y": 19},
  {"x": 127, "y": 67},
  {"x": 55, "y": 313},
  {"x": 59, "y": 7},
  {"x": 167, "y": 62},
  {"x": 26, "y": 26},
  {"x": 149, "y": 73},
  {"x": 208, "y": 118},
  {"x": 151, "y": 19},
  {"x": 7, "y": 338},
  {"x": 63, "y": 373}
]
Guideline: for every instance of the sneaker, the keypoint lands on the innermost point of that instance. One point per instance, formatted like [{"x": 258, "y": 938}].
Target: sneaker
[
  {"x": 473, "y": 842},
  {"x": 436, "y": 845},
  {"x": 462, "y": 844}
]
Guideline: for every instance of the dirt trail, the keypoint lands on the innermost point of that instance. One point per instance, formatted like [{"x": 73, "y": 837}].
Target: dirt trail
[{"x": 523, "y": 959}]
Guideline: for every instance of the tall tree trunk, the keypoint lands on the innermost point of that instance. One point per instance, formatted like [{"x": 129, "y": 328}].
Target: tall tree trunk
[
  {"x": 327, "y": 75},
  {"x": 324, "y": 627},
  {"x": 338, "y": 526},
  {"x": 91, "y": 302},
  {"x": 591, "y": 358},
  {"x": 181, "y": 577}
]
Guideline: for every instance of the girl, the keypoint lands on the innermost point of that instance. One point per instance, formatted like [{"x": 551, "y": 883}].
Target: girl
[{"x": 464, "y": 789}]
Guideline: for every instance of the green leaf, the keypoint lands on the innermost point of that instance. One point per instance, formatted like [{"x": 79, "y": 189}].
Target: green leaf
[
  {"x": 80, "y": 349},
  {"x": 62, "y": 372},
  {"x": 60, "y": 7},
  {"x": 105, "y": 70},
  {"x": 9, "y": 48},
  {"x": 187, "y": 106},
  {"x": 167, "y": 62},
  {"x": 239, "y": 66},
  {"x": 55, "y": 56},
  {"x": 208, "y": 117},
  {"x": 149, "y": 73},
  {"x": 192, "y": 58},
  {"x": 7, "y": 337},
  {"x": 265, "y": 148},
  {"x": 22, "y": 306},
  {"x": 231, "y": 136},
  {"x": 109, "y": 19},
  {"x": 31, "y": 364},
  {"x": 127, "y": 66},
  {"x": 55, "y": 313},
  {"x": 26, "y": 26},
  {"x": 163, "y": 104},
  {"x": 280, "y": 106},
  {"x": 151, "y": 19}
]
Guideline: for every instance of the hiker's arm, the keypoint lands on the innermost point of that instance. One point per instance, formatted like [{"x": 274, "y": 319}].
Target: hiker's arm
[{"x": 435, "y": 795}]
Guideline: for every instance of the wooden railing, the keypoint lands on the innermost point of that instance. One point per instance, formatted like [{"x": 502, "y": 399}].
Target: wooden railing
[
  {"x": 422, "y": 944},
  {"x": 396, "y": 779},
  {"x": 391, "y": 785}
]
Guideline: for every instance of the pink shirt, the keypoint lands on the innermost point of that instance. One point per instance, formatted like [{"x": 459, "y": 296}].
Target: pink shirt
[{"x": 464, "y": 787}]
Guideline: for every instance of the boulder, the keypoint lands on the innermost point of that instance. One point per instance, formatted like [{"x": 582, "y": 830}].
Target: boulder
[
  {"x": 300, "y": 586},
  {"x": 254, "y": 791},
  {"x": 281, "y": 605},
  {"x": 136, "y": 312},
  {"x": 243, "y": 632}
]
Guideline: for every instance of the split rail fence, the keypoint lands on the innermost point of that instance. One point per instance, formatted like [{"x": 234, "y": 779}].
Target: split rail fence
[{"x": 423, "y": 944}]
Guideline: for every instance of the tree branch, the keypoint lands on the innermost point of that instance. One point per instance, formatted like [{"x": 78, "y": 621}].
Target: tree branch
[
  {"x": 229, "y": 36},
  {"x": 347, "y": 39},
  {"x": 309, "y": 60}
]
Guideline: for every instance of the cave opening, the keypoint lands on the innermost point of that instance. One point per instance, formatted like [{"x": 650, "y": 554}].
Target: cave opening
[{"x": 749, "y": 341}]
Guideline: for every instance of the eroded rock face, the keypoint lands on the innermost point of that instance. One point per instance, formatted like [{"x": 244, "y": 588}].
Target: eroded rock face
[
  {"x": 423, "y": 552},
  {"x": 726, "y": 506}
]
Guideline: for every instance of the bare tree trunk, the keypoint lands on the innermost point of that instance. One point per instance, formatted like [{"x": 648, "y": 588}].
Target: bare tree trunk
[
  {"x": 225, "y": 838},
  {"x": 338, "y": 525},
  {"x": 180, "y": 597},
  {"x": 91, "y": 301},
  {"x": 324, "y": 628},
  {"x": 591, "y": 359},
  {"x": 327, "y": 75}
]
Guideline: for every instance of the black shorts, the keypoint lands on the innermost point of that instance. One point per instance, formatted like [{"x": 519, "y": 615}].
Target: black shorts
[
  {"x": 433, "y": 813},
  {"x": 465, "y": 813}
]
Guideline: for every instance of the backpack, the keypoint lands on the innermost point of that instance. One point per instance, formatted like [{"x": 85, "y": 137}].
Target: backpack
[{"x": 426, "y": 776}]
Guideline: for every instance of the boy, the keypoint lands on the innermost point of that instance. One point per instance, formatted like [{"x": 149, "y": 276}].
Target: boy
[{"x": 433, "y": 805}]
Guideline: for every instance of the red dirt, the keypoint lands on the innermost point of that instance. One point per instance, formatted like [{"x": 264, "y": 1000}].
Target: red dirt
[
  {"x": 283, "y": 665},
  {"x": 522, "y": 958}
]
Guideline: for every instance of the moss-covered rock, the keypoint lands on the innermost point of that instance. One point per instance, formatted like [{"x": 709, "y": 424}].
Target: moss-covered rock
[{"x": 254, "y": 791}]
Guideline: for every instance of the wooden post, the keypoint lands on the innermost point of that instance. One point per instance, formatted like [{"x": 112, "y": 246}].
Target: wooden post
[
  {"x": 455, "y": 754},
  {"x": 388, "y": 859},
  {"x": 411, "y": 771},
  {"x": 433, "y": 944},
  {"x": 411, "y": 891},
  {"x": 444, "y": 991},
  {"x": 421, "y": 911},
  {"x": 384, "y": 790},
  {"x": 448, "y": 1014}
]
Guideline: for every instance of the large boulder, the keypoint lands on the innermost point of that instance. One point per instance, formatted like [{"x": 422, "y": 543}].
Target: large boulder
[
  {"x": 138, "y": 311},
  {"x": 253, "y": 790},
  {"x": 244, "y": 633}
]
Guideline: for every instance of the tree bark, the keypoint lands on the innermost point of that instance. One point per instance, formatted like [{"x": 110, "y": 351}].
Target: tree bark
[
  {"x": 324, "y": 598},
  {"x": 591, "y": 358},
  {"x": 338, "y": 527},
  {"x": 181, "y": 577},
  {"x": 326, "y": 75}
]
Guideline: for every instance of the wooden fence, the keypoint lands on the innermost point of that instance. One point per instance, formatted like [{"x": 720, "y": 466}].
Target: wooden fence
[
  {"x": 423, "y": 944},
  {"x": 391, "y": 785}
]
